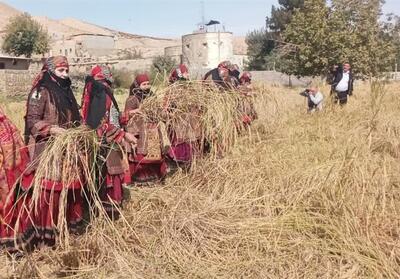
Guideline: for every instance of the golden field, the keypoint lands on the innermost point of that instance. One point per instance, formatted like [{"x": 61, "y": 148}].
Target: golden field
[{"x": 300, "y": 196}]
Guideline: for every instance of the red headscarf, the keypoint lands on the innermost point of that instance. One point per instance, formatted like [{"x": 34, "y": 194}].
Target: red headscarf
[
  {"x": 135, "y": 87},
  {"x": 178, "y": 73},
  {"x": 245, "y": 78},
  {"x": 101, "y": 72},
  {"x": 50, "y": 65},
  {"x": 225, "y": 64},
  {"x": 140, "y": 79}
]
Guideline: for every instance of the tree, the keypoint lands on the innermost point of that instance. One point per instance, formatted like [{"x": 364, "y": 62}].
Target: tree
[
  {"x": 261, "y": 43},
  {"x": 25, "y": 36},
  {"x": 259, "y": 46},
  {"x": 161, "y": 67},
  {"x": 282, "y": 16},
  {"x": 348, "y": 31},
  {"x": 366, "y": 45},
  {"x": 305, "y": 49},
  {"x": 392, "y": 33}
]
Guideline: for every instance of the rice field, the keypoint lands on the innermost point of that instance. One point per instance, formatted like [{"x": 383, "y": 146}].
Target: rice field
[{"x": 300, "y": 196}]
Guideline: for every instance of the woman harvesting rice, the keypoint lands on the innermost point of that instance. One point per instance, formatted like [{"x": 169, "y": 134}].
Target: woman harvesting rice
[
  {"x": 184, "y": 131},
  {"x": 100, "y": 112},
  {"x": 246, "y": 106},
  {"x": 52, "y": 110},
  {"x": 146, "y": 161},
  {"x": 181, "y": 73}
]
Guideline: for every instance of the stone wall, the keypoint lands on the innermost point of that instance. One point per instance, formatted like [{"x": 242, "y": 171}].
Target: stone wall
[
  {"x": 14, "y": 64},
  {"x": 134, "y": 65},
  {"x": 15, "y": 82},
  {"x": 394, "y": 76},
  {"x": 278, "y": 78}
]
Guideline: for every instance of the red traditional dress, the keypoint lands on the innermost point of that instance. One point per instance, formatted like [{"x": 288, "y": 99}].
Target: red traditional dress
[
  {"x": 146, "y": 160},
  {"x": 246, "y": 106},
  {"x": 51, "y": 103},
  {"x": 100, "y": 112},
  {"x": 13, "y": 181}
]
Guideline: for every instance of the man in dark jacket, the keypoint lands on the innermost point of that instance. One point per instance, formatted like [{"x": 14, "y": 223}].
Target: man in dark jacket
[
  {"x": 342, "y": 84},
  {"x": 220, "y": 75}
]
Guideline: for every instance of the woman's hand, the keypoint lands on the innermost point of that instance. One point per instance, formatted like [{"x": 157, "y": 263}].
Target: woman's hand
[
  {"x": 56, "y": 131},
  {"x": 130, "y": 138}
]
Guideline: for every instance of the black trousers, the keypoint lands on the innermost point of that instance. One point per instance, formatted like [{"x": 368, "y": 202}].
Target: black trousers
[{"x": 341, "y": 97}]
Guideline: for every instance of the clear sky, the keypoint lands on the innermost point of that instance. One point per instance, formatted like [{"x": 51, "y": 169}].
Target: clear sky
[{"x": 162, "y": 18}]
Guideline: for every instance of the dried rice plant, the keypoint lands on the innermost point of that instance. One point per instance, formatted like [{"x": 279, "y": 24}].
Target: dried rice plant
[
  {"x": 310, "y": 196},
  {"x": 207, "y": 112}
]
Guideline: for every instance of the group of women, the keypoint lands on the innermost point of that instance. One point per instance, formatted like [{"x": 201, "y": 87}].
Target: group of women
[{"x": 51, "y": 111}]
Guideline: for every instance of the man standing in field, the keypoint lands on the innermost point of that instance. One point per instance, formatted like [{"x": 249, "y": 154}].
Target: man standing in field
[{"x": 342, "y": 84}]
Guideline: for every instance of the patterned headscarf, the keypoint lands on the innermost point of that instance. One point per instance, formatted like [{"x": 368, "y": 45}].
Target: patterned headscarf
[
  {"x": 50, "y": 65},
  {"x": 245, "y": 78},
  {"x": 54, "y": 62},
  {"x": 225, "y": 64},
  {"x": 102, "y": 72}
]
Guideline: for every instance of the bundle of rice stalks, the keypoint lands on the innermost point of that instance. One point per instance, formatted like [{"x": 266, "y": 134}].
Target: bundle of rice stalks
[
  {"x": 204, "y": 112},
  {"x": 68, "y": 159}
]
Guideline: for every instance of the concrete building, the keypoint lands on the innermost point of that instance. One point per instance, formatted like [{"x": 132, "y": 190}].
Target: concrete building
[
  {"x": 175, "y": 52},
  {"x": 84, "y": 46},
  {"x": 205, "y": 50}
]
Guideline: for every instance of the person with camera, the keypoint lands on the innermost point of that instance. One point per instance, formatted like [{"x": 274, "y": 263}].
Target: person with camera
[{"x": 315, "y": 99}]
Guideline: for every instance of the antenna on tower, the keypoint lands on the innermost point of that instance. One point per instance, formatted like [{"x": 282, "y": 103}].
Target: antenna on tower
[
  {"x": 203, "y": 11},
  {"x": 203, "y": 19}
]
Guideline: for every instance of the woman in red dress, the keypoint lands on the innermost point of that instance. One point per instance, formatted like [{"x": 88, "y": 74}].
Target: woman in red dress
[
  {"x": 52, "y": 110},
  {"x": 14, "y": 159},
  {"x": 100, "y": 112},
  {"x": 146, "y": 160}
]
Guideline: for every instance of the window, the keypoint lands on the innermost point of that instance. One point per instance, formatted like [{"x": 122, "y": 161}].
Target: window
[
  {"x": 2, "y": 66},
  {"x": 66, "y": 52},
  {"x": 70, "y": 50},
  {"x": 188, "y": 46},
  {"x": 14, "y": 62}
]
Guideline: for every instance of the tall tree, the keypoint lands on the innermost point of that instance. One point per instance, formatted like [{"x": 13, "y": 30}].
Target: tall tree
[
  {"x": 306, "y": 45},
  {"x": 348, "y": 31},
  {"x": 263, "y": 42},
  {"x": 259, "y": 46},
  {"x": 392, "y": 33},
  {"x": 366, "y": 45},
  {"x": 281, "y": 16},
  {"x": 25, "y": 36}
]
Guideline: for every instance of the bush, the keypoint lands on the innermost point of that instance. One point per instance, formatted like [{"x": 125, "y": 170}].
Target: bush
[
  {"x": 130, "y": 54},
  {"x": 123, "y": 78},
  {"x": 162, "y": 66}
]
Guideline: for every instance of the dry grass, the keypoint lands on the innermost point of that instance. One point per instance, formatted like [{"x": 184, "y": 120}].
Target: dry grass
[{"x": 303, "y": 196}]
